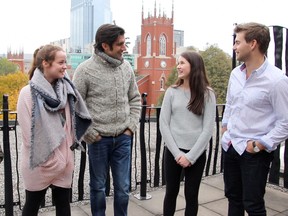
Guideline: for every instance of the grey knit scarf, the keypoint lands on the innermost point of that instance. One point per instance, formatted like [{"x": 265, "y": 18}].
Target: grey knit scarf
[
  {"x": 47, "y": 131},
  {"x": 112, "y": 61}
]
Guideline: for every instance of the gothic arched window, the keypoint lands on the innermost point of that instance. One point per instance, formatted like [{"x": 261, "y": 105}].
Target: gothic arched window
[
  {"x": 162, "y": 45},
  {"x": 162, "y": 84},
  {"x": 148, "y": 45}
]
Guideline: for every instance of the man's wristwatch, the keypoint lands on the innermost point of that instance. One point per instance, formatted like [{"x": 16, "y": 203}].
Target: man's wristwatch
[{"x": 255, "y": 147}]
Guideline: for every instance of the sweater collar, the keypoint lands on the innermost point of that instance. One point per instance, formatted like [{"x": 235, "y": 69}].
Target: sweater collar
[{"x": 111, "y": 61}]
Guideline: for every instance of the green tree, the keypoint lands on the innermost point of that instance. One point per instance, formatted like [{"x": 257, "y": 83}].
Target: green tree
[
  {"x": 7, "y": 67},
  {"x": 218, "y": 65},
  {"x": 172, "y": 77},
  {"x": 191, "y": 48}
]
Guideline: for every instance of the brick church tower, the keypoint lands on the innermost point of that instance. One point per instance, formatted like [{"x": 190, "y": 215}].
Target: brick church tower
[
  {"x": 17, "y": 58},
  {"x": 157, "y": 54}
]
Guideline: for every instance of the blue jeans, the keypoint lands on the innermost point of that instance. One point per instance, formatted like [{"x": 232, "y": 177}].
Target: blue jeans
[
  {"x": 245, "y": 178},
  {"x": 116, "y": 153}
]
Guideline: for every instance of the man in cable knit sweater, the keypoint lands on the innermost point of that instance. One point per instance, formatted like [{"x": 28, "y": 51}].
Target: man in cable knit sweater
[{"x": 107, "y": 83}]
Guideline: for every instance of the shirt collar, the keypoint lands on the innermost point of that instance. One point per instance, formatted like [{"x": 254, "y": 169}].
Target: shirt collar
[{"x": 259, "y": 70}]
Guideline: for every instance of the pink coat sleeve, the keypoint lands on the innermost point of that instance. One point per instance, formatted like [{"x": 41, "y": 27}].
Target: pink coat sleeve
[{"x": 58, "y": 169}]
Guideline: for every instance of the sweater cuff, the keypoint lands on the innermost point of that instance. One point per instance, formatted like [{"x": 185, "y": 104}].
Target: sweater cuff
[
  {"x": 132, "y": 128},
  {"x": 90, "y": 137}
]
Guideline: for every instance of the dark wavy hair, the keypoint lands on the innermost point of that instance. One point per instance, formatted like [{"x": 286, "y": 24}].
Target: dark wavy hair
[{"x": 107, "y": 33}]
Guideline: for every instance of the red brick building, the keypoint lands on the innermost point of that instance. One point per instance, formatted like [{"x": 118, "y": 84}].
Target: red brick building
[
  {"x": 17, "y": 58},
  {"x": 157, "y": 54}
]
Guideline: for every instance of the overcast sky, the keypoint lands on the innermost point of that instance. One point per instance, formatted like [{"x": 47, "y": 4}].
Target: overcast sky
[{"x": 31, "y": 23}]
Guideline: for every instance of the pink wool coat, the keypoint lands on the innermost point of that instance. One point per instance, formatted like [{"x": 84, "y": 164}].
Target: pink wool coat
[{"x": 58, "y": 169}]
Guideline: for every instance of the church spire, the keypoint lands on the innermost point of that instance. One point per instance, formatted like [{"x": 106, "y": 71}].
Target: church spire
[
  {"x": 155, "y": 9},
  {"x": 142, "y": 11},
  {"x": 172, "y": 11}
]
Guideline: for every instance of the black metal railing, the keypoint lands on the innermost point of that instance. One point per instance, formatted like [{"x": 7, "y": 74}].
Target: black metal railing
[
  {"x": 147, "y": 159},
  {"x": 6, "y": 127}
]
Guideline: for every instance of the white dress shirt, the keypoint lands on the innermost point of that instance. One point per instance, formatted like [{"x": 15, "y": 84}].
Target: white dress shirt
[{"x": 256, "y": 108}]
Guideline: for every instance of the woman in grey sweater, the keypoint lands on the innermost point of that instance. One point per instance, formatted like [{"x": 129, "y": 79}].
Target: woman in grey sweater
[{"x": 186, "y": 124}]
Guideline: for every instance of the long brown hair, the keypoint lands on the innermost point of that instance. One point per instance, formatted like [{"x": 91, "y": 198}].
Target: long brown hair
[
  {"x": 44, "y": 53},
  {"x": 198, "y": 82}
]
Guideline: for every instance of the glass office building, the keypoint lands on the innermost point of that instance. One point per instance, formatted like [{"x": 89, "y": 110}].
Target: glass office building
[{"x": 86, "y": 17}]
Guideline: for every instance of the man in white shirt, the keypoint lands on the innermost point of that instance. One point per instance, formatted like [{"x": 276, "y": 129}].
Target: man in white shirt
[{"x": 255, "y": 120}]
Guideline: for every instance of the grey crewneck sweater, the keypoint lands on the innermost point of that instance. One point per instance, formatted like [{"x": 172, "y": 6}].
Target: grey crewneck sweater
[
  {"x": 182, "y": 129},
  {"x": 111, "y": 94}
]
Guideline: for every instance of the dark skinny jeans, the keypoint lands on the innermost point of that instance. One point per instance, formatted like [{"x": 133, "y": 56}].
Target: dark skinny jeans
[{"x": 192, "y": 175}]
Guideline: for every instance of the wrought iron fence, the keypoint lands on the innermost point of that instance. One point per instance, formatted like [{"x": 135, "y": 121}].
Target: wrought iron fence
[{"x": 147, "y": 170}]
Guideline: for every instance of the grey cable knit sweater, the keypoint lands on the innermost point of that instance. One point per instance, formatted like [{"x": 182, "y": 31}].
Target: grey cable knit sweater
[{"x": 111, "y": 95}]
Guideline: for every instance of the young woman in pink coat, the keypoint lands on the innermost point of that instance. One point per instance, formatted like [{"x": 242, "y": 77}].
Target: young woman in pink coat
[{"x": 48, "y": 109}]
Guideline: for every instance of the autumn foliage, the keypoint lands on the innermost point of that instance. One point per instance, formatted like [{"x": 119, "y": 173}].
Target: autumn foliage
[{"x": 11, "y": 85}]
